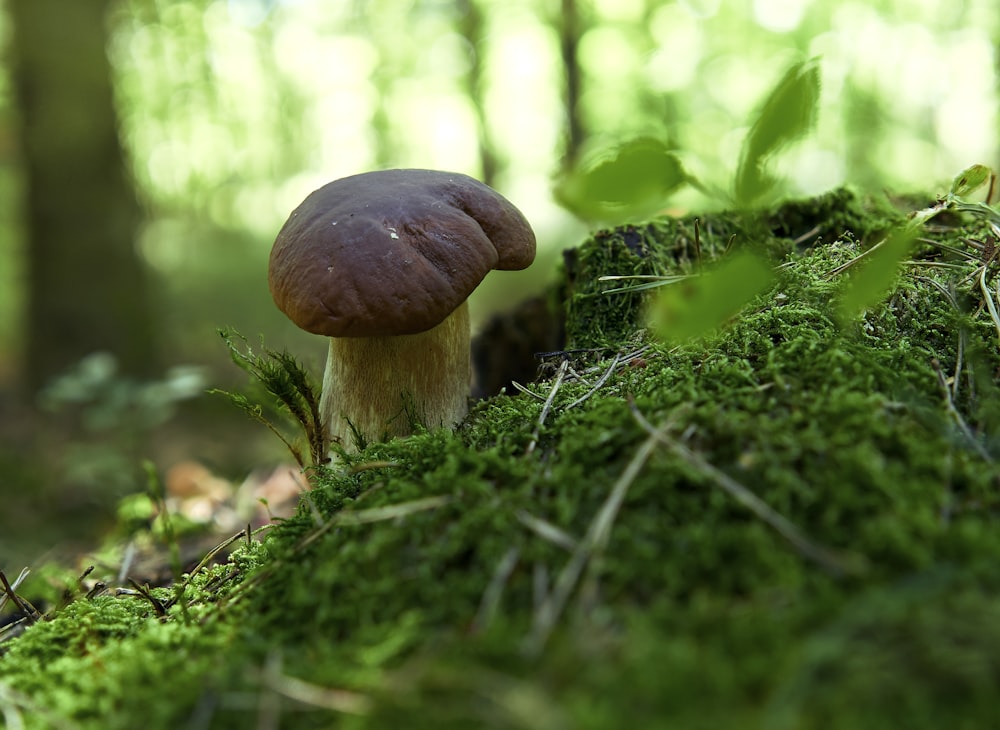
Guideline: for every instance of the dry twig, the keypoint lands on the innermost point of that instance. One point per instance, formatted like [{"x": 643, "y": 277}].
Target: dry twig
[
  {"x": 831, "y": 561},
  {"x": 31, "y": 614},
  {"x": 594, "y": 541},
  {"x": 313, "y": 695},
  {"x": 490, "y": 601},
  {"x": 956, "y": 416},
  {"x": 548, "y": 406}
]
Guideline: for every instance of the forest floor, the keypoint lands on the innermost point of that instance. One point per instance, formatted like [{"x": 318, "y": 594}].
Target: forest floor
[{"x": 789, "y": 522}]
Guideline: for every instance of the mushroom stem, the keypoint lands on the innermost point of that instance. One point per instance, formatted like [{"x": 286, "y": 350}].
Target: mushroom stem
[{"x": 383, "y": 385}]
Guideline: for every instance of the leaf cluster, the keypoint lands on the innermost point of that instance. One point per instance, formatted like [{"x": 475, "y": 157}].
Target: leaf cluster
[
  {"x": 291, "y": 389},
  {"x": 635, "y": 178},
  {"x": 879, "y": 265}
]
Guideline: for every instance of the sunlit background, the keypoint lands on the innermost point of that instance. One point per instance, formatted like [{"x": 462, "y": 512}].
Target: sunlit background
[{"x": 231, "y": 111}]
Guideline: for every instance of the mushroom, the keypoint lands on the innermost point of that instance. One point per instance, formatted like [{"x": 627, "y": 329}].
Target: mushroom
[{"x": 382, "y": 263}]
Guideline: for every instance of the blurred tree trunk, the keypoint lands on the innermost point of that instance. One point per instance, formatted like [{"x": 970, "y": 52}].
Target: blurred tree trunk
[
  {"x": 86, "y": 285},
  {"x": 471, "y": 24},
  {"x": 569, "y": 42}
]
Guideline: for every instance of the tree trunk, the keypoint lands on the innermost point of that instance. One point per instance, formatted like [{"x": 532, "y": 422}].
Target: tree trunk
[
  {"x": 569, "y": 44},
  {"x": 471, "y": 25},
  {"x": 86, "y": 285}
]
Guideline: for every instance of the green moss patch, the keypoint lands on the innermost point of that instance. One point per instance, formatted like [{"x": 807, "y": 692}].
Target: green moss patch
[{"x": 789, "y": 523}]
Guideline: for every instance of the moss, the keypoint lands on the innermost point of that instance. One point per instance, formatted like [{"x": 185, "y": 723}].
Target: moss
[
  {"x": 826, "y": 217},
  {"x": 113, "y": 662},
  {"x": 918, "y": 653},
  {"x": 672, "y": 246},
  {"x": 415, "y": 575}
]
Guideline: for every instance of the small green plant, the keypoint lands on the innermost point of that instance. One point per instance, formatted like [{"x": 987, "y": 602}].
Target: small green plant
[
  {"x": 692, "y": 305},
  {"x": 291, "y": 390},
  {"x": 637, "y": 177},
  {"x": 702, "y": 303},
  {"x": 787, "y": 115},
  {"x": 116, "y": 415},
  {"x": 631, "y": 180},
  {"x": 878, "y": 266}
]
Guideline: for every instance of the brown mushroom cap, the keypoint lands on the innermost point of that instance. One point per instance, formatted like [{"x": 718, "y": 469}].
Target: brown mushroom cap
[{"x": 392, "y": 252}]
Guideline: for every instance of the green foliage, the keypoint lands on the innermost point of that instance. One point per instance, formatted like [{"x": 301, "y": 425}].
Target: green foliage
[
  {"x": 878, "y": 271},
  {"x": 291, "y": 389},
  {"x": 876, "y": 276},
  {"x": 787, "y": 115},
  {"x": 116, "y": 415},
  {"x": 110, "y": 661},
  {"x": 597, "y": 304},
  {"x": 912, "y": 633},
  {"x": 631, "y": 180},
  {"x": 970, "y": 180},
  {"x": 637, "y": 177},
  {"x": 109, "y": 402},
  {"x": 412, "y": 587},
  {"x": 701, "y": 304}
]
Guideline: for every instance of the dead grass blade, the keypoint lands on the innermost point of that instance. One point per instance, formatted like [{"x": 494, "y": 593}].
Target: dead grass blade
[
  {"x": 593, "y": 542},
  {"x": 835, "y": 563}
]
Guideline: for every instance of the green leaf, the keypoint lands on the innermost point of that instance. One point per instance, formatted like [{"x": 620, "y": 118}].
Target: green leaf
[
  {"x": 788, "y": 114},
  {"x": 970, "y": 180},
  {"x": 632, "y": 179},
  {"x": 869, "y": 284},
  {"x": 700, "y": 304}
]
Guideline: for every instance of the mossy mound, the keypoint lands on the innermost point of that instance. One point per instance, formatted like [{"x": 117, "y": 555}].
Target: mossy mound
[{"x": 790, "y": 523}]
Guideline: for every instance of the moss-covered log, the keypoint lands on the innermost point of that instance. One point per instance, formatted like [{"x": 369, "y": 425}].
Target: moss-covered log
[{"x": 791, "y": 523}]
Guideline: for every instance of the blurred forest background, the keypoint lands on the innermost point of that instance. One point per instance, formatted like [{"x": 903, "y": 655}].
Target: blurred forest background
[{"x": 151, "y": 149}]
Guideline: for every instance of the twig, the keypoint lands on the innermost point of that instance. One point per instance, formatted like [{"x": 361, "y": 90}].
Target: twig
[
  {"x": 539, "y": 585},
  {"x": 143, "y": 591},
  {"x": 215, "y": 551},
  {"x": 527, "y": 391},
  {"x": 313, "y": 695},
  {"x": 954, "y": 250},
  {"x": 573, "y": 374},
  {"x": 389, "y": 512},
  {"x": 959, "y": 361},
  {"x": 24, "y": 606},
  {"x": 988, "y": 299},
  {"x": 653, "y": 281},
  {"x": 837, "y": 270},
  {"x": 127, "y": 559},
  {"x": 490, "y": 601},
  {"x": 956, "y": 416},
  {"x": 806, "y": 236},
  {"x": 546, "y": 530},
  {"x": 600, "y": 381},
  {"x": 940, "y": 287},
  {"x": 636, "y": 354},
  {"x": 370, "y": 465},
  {"x": 834, "y": 563},
  {"x": 563, "y": 354},
  {"x": 548, "y": 406},
  {"x": 594, "y": 541},
  {"x": 7, "y": 594}
]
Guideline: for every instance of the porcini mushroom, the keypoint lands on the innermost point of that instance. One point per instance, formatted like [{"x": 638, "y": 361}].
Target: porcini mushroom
[{"x": 382, "y": 263}]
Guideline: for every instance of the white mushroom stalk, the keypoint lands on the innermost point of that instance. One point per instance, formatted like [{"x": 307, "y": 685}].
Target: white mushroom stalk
[{"x": 376, "y": 388}]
